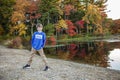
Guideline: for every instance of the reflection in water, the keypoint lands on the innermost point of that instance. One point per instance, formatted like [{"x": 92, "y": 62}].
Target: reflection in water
[{"x": 94, "y": 53}]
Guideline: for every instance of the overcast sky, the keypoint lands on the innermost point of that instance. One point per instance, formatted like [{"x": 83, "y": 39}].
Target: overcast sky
[{"x": 114, "y": 7}]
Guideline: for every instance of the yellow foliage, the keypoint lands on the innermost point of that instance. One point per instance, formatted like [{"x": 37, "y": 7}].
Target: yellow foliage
[
  {"x": 61, "y": 24},
  {"x": 93, "y": 15},
  {"x": 20, "y": 28},
  {"x": 99, "y": 30}
]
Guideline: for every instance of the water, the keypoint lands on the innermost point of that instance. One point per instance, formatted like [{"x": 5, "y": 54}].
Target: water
[
  {"x": 114, "y": 60},
  {"x": 97, "y": 53}
]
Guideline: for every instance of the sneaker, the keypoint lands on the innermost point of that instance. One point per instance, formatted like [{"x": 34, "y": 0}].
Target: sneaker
[
  {"x": 26, "y": 66},
  {"x": 46, "y": 68}
]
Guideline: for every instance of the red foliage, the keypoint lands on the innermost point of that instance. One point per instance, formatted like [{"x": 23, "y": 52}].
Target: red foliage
[
  {"x": 32, "y": 9},
  {"x": 73, "y": 50},
  {"x": 82, "y": 53},
  {"x": 51, "y": 41},
  {"x": 72, "y": 46},
  {"x": 71, "y": 32},
  {"x": 80, "y": 23},
  {"x": 69, "y": 23},
  {"x": 52, "y": 38},
  {"x": 71, "y": 28}
]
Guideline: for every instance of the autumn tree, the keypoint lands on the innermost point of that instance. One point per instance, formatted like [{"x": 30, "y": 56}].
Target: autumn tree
[
  {"x": 80, "y": 25},
  {"x": 93, "y": 16},
  {"x": 115, "y": 27},
  {"x": 32, "y": 15},
  {"x": 72, "y": 6},
  {"x": 18, "y": 17},
  {"x": 60, "y": 26},
  {"x": 72, "y": 30},
  {"x": 67, "y": 9}
]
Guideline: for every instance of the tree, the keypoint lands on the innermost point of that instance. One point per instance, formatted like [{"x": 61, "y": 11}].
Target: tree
[
  {"x": 49, "y": 29},
  {"x": 18, "y": 17},
  {"x": 93, "y": 16},
  {"x": 1, "y": 30},
  {"x": 48, "y": 10},
  {"x": 6, "y": 9},
  {"x": 71, "y": 7},
  {"x": 115, "y": 28},
  {"x": 19, "y": 11},
  {"x": 76, "y": 15},
  {"x": 76, "y": 4},
  {"x": 19, "y": 29},
  {"x": 71, "y": 28},
  {"x": 80, "y": 25},
  {"x": 32, "y": 15},
  {"x": 67, "y": 9}
]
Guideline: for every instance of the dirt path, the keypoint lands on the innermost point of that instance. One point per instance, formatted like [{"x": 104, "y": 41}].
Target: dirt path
[{"x": 12, "y": 60}]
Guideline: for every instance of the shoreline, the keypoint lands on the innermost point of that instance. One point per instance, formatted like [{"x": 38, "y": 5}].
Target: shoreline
[{"x": 12, "y": 60}]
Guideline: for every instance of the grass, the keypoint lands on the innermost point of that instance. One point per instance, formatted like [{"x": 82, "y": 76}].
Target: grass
[{"x": 83, "y": 39}]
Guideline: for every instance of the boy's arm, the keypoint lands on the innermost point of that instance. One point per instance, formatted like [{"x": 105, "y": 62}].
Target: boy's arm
[
  {"x": 33, "y": 36},
  {"x": 44, "y": 40}
]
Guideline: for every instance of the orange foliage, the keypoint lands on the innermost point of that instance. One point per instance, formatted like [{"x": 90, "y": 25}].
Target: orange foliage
[
  {"x": 115, "y": 28},
  {"x": 68, "y": 8},
  {"x": 17, "y": 16},
  {"x": 21, "y": 5},
  {"x": 19, "y": 11}
]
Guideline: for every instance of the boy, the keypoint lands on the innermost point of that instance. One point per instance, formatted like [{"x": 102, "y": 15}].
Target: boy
[{"x": 38, "y": 42}]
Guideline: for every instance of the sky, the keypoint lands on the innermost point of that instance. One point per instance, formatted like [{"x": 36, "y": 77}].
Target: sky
[{"x": 113, "y": 9}]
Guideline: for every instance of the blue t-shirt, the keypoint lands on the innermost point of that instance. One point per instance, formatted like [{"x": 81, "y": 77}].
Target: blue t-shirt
[{"x": 38, "y": 40}]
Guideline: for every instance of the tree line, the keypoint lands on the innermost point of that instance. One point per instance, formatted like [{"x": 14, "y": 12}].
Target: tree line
[{"x": 59, "y": 17}]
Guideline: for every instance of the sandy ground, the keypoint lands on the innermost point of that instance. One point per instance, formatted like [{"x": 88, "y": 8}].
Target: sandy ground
[{"x": 12, "y": 61}]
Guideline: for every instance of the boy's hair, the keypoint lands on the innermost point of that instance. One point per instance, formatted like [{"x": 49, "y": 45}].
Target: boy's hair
[{"x": 39, "y": 25}]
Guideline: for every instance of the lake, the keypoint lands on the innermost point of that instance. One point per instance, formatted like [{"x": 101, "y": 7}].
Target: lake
[{"x": 98, "y": 53}]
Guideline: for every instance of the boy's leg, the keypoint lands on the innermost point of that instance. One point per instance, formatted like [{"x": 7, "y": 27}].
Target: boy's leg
[
  {"x": 30, "y": 60},
  {"x": 33, "y": 51},
  {"x": 41, "y": 52}
]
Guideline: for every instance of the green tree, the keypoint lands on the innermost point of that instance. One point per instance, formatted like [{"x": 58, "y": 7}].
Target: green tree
[
  {"x": 6, "y": 9},
  {"x": 77, "y": 15},
  {"x": 50, "y": 11}
]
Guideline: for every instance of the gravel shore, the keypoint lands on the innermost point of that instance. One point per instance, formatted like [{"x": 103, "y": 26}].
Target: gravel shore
[{"x": 12, "y": 61}]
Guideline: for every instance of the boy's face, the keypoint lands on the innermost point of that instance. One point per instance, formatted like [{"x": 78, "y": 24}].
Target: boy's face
[{"x": 39, "y": 28}]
